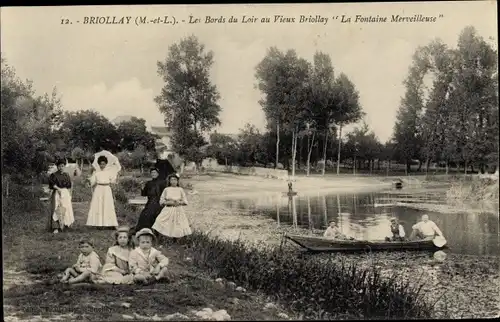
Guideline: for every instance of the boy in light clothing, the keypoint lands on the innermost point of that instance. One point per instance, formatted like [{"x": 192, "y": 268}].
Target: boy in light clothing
[{"x": 146, "y": 262}]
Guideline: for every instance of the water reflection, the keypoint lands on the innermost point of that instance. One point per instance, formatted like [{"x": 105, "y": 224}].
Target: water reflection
[{"x": 357, "y": 216}]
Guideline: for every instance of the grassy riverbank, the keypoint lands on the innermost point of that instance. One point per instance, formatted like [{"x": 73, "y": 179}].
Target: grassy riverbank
[
  {"x": 33, "y": 258},
  {"x": 460, "y": 287}
]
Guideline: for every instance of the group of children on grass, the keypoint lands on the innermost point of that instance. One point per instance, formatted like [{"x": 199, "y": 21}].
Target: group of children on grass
[
  {"x": 130, "y": 261},
  {"x": 125, "y": 264}
]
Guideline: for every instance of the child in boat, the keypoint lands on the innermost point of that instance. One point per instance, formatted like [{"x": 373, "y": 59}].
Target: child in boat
[
  {"x": 116, "y": 268},
  {"x": 147, "y": 263},
  {"x": 87, "y": 266},
  {"x": 333, "y": 232},
  {"x": 397, "y": 230}
]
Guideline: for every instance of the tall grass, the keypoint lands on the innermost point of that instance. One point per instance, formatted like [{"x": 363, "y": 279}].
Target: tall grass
[
  {"x": 479, "y": 190},
  {"x": 307, "y": 284}
]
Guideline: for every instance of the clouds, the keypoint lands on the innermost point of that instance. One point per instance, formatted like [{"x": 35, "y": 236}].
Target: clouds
[
  {"x": 124, "y": 98},
  {"x": 112, "y": 69}
]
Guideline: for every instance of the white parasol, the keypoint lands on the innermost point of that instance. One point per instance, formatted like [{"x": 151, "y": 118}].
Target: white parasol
[{"x": 113, "y": 162}]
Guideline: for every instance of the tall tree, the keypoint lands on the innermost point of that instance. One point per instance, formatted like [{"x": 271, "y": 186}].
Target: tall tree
[
  {"x": 323, "y": 100},
  {"x": 27, "y": 124},
  {"x": 189, "y": 101},
  {"x": 270, "y": 80},
  {"x": 436, "y": 118},
  {"x": 407, "y": 134},
  {"x": 223, "y": 148},
  {"x": 90, "y": 131},
  {"x": 474, "y": 96},
  {"x": 284, "y": 80},
  {"x": 134, "y": 133},
  {"x": 347, "y": 107}
]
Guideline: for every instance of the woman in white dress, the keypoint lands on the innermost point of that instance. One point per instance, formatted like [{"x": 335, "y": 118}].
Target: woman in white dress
[
  {"x": 172, "y": 221},
  {"x": 102, "y": 207}
]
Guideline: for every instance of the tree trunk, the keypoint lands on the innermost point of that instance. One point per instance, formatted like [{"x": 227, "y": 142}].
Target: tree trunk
[
  {"x": 309, "y": 217},
  {"x": 294, "y": 150},
  {"x": 408, "y": 166},
  {"x": 277, "y": 144},
  {"x": 300, "y": 148},
  {"x": 354, "y": 165},
  {"x": 465, "y": 168},
  {"x": 324, "y": 152},
  {"x": 338, "y": 152},
  {"x": 447, "y": 167},
  {"x": 310, "y": 146},
  {"x": 325, "y": 210},
  {"x": 427, "y": 165}
]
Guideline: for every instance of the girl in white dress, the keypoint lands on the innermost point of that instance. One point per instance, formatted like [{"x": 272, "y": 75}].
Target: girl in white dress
[
  {"x": 116, "y": 270},
  {"x": 102, "y": 207},
  {"x": 172, "y": 221}
]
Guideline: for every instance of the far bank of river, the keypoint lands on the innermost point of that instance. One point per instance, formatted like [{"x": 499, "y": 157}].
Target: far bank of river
[{"x": 464, "y": 286}]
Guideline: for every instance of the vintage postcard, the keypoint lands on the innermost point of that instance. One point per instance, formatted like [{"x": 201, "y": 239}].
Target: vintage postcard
[{"x": 250, "y": 161}]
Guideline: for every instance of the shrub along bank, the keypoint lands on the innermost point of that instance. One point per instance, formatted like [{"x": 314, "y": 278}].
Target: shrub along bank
[{"x": 319, "y": 289}]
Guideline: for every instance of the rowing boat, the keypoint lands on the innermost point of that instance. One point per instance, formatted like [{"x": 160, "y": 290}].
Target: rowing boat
[{"x": 322, "y": 244}]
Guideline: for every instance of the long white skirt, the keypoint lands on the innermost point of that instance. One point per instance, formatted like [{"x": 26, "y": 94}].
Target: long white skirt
[
  {"x": 172, "y": 222},
  {"x": 102, "y": 208},
  {"x": 64, "y": 200}
]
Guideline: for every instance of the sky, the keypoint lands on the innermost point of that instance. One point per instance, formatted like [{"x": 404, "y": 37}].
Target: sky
[{"x": 113, "y": 68}]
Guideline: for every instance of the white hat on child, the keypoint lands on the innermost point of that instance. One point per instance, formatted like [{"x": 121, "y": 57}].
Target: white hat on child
[{"x": 144, "y": 231}]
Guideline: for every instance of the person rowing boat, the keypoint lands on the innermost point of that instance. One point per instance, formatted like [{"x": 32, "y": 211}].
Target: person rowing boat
[{"x": 425, "y": 229}]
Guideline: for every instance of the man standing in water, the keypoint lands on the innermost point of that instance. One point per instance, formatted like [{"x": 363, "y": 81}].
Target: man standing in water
[{"x": 425, "y": 229}]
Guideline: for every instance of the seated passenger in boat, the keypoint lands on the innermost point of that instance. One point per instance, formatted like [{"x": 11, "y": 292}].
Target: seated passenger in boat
[
  {"x": 333, "y": 232},
  {"x": 397, "y": 230},
  {"x": 425, "y": 229}
]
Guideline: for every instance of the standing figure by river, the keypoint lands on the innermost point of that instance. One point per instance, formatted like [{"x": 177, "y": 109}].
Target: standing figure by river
[
  {"x": 172, "y": 221},
  {"x": 61, "y": 208},
  {"x": 153, "y": 190},
  {"x": 102, "y": 206}
]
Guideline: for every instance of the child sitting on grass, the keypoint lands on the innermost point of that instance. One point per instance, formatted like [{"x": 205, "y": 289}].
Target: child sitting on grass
[
  {"x": 147, "y": 263},
  {"x": 87, "y": 266},
  {"x": 116, "y": 268}
]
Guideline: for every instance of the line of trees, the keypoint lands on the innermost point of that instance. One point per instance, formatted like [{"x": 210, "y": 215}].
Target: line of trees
[
  {"x": 36, "y": 131},
  {"x": 451, "y": 122},
  {"x": 455, "y": 119},
  {"x": 448, "y": 115}
]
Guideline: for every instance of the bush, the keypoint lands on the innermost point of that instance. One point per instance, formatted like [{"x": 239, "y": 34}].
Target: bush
[
  {"x": 20, "y": 199},
  {"x": 80, "y": 191},
  {"x": 130, "y": 185},
  {"x": 308, "y": 285},
  {"x": 473, "y": 190},
  {"x": 120, "y": 194}
]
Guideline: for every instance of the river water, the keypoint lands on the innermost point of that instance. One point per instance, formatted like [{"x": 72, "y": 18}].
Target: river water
[{"x": 366, "y": 216}]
